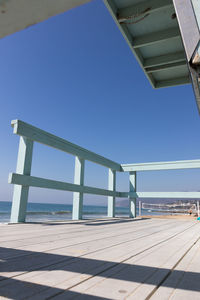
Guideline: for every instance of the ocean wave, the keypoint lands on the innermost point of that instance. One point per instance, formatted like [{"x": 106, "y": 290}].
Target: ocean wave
[
  {"x": 102, "y": 212},
  {"x": 62, "y": 212}
]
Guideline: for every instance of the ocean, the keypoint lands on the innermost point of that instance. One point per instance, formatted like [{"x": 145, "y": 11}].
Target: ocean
[{"x": 40, "y": 212}]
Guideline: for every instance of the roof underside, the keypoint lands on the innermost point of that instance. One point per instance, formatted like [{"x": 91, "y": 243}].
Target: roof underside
[
  {"x": 151, "y": 29},
  {"x": 16, "y": 15}
]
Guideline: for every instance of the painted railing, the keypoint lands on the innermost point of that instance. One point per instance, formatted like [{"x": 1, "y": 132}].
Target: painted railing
[{"x": 22, "y": 179}]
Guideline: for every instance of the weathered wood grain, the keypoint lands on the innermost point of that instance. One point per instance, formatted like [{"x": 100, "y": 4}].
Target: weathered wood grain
[{"x": 110, "y": 259}]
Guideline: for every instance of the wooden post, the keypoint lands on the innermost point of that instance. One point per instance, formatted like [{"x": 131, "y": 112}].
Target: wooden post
[
  {"x": 140, "y": 208},
  {"x": 78, "y": 197},
  {"x": 132, "y": 188},
  {"x": 198, "y": 214},
  {"x": 111, "y": 187},
  {"x": 20, "y": 194}
]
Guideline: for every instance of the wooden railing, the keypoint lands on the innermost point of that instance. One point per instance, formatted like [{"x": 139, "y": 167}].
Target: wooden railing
[{"x": 22, "y": 179}]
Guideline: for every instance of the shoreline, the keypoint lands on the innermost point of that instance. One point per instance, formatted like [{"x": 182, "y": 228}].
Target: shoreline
[{"x": 178, "y": 217}]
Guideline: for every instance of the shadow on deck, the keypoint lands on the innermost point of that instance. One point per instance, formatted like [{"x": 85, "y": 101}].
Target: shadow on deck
[
  {"x": 26, "y": 261},
  {"x": 89, "y": 222}
]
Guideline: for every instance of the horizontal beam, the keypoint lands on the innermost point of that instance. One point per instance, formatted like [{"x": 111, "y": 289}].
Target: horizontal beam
[
  {"x": 164, "y": 59},
  {"x": 141, "y": 8},
  {"x": 173, "y": 82},
  {"x": 43, "y": 137},
  {"x": 156, "y": 37},
  {"x": 168, "y": 165},
  {"x": 166, "y": 67},
  {"x": 182, "y": 195},
  {"x": 172, "y": 195},
  {"x": 57, "y": 185},
  {"x": 64, "y": 186}
]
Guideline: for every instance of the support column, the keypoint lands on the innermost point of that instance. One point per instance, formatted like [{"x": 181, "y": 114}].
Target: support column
[
  {"x": 111, "y": 187},
  {"x": 196, "y": 8},
  {"x": 20, "y": 194},
  {"x": 78, "y": 197},
  {"x": 132, "y": 188},
  {"x": 140, "y": 208},
  {"x": 198, "y": 212},
  {"x": 188, "y": 17}
]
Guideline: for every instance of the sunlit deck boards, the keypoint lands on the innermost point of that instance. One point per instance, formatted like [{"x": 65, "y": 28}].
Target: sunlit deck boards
[{"x": 113, "y": 259}]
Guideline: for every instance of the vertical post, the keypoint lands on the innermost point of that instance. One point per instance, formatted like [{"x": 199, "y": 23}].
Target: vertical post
[
  {"x": 198, "y": 213},
  {"x": 188, "y": 17},
  {"x": 111, "y": 187},
  {"x": 78, "y": 197},
  {"x": 20, "y": 194},
  {"x": 132, "y": 188},
  {"x": 196, "y": 8},
  {"x": 140, "y": 208}
]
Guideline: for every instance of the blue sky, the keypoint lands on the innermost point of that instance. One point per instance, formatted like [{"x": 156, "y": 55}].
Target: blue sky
[{"x": 75, "y": 76}]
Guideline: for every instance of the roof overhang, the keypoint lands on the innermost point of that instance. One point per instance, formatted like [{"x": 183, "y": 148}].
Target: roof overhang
[
  {"x": 16, "y": 15},
  {"x": 162, "y": 34},
  {"x": 152, "y": 32}
]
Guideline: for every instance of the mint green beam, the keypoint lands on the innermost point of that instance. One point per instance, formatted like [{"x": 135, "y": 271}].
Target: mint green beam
[
  {"x": 160, "y": 166},
  {"x": 62, "y": 186},
  {"x": 20, "y": 194},
  {"x": 48, "y": 139},
  {"x": 26, "y": 180},
  {"x": 111, "y": 187},
  {"x": 132, "y": 189},
  {"x": 78, "y": 197}
]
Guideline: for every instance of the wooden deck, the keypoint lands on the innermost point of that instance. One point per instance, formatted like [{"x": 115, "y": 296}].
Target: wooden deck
[{"x": 101, "y": 259}]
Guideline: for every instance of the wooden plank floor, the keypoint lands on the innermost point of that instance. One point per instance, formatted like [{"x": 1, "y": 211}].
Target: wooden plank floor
[{"x": 101, "y": 259}]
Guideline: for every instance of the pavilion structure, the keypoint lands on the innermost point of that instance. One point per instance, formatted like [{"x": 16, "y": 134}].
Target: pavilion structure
[
  {"x": 111, "y": 258},
  {"x": 164, "y": 36}
]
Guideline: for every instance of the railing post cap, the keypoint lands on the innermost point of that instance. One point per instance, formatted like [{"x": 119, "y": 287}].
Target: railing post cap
[
  {"x": 14, "y": 122},
  {"x": 10, "y": 177}
]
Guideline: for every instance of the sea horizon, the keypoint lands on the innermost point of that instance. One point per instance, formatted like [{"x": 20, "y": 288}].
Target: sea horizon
[
  {"x": 39, "y": 212},
  {"x": 44, "y": 212}
]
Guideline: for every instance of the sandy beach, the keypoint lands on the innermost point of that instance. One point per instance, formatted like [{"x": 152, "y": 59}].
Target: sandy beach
[{"x": 177, "y": 217}]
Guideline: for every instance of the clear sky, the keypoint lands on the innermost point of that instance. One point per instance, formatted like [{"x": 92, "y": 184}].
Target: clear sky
[{"x": 74, "y": 75}]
